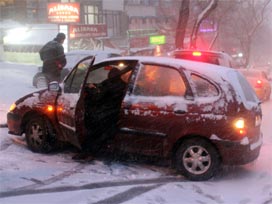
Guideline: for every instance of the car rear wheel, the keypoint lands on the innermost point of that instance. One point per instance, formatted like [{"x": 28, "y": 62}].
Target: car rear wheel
[
  {"x": 40, "y": 136},
  {"x": 197, "y": 159}
]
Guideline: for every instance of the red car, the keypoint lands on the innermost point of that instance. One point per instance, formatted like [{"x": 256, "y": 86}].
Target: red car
[{"x": 193, "y": 114}]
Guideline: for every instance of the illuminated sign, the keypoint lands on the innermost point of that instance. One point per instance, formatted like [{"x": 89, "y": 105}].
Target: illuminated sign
[
  {"x": 207, "y": 26},
  {"x": 88, "y": 31},
  {"x": 63, "y": 12},
  {"x": 157, "y": 40}
]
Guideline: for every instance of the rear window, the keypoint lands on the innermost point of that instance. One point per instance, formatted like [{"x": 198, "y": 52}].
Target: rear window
[
  {"x": 211, "y": 59},
  {"x": 244, "y": 88},
  {"x": 247, "y": 89}
]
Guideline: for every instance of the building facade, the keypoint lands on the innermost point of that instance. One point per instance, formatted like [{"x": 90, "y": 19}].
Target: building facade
[{"x": 128, "y": 22}]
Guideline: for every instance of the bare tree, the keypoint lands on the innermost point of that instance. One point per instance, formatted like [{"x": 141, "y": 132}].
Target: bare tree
[
  {"x": 184, "y": 13},
  {"x": 250, "y": 24},
  {"x": 222, "y": 10},
  {"x": 204, "y": 14},
  {"x": 242, "y": 24}
]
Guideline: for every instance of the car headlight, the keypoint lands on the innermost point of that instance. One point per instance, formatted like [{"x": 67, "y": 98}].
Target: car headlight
[{"x": 12, "y": 107}]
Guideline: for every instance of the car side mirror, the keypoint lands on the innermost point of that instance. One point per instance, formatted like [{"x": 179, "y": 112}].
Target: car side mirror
[{"x": 54, "y": 86}]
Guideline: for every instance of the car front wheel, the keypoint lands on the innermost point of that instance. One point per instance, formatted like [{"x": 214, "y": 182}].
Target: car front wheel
[
  {"x": 40, "y": 136},
  {"x": 197, "y": 159}
]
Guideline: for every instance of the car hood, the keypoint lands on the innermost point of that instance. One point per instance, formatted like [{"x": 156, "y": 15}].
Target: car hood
[
  {"x": 31, "y": 95},
  {"x": 37, "y": 100}
]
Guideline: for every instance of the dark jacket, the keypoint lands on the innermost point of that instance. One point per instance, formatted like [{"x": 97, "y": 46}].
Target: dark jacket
[
  {"x": 53, "y": 57},
  {"x": 102, "y": 107},
  {"x": 106, "y": 100}
]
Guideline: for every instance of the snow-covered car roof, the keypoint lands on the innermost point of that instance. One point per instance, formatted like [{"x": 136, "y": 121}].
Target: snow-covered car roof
[
  {"x": 218, "y": 74},
  {"x": 75, "y": 56},
  {"x": 209, "y": 70}
]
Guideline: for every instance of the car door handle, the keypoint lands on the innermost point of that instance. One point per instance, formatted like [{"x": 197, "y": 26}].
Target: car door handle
[{"x": 180, "y": 111}]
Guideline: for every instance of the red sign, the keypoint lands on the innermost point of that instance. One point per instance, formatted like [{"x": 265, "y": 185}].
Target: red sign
[
  {"x": 88, "y": 31},
  {"x": 63, "y": 12}
]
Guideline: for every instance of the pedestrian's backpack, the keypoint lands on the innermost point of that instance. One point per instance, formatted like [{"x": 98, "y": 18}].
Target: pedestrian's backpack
[{"x": 49, "y": 52}]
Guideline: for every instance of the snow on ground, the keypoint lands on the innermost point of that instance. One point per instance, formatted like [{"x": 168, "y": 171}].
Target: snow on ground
[{"x": 27, "y": 177}]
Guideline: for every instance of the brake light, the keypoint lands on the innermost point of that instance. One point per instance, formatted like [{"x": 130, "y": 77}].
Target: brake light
[
  {"x": 239, "y": 126},
  {"x": 196, "y": 53},
  {"x": 259, "y": 83}
]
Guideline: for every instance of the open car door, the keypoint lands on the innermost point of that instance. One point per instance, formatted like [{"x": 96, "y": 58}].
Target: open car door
[{"x": 70, "y": 107}]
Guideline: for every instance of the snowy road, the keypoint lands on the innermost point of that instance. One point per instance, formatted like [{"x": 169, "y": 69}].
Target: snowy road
[{"x": 27, "y": 177}]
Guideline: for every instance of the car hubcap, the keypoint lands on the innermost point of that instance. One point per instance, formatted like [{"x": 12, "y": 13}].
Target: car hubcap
[
  {"x": 196, "y": 160},
  {"x": 36, "y": 135}
]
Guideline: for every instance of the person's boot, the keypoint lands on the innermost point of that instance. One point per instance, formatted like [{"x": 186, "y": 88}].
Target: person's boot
[{"x": 84, "y": 156}]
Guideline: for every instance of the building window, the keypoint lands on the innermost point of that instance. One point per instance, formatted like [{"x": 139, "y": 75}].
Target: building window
[{"x": 91, "y": 14}]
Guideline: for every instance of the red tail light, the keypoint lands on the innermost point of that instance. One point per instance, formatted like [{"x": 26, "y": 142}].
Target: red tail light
[
  {"x": 259, "y": 84},
  {"x": 240, "y": 127},
  {"x": 196, "y": 54}
]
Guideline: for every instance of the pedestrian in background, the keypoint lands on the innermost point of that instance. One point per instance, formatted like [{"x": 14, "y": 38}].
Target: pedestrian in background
[{"x": 53, "y": 57}]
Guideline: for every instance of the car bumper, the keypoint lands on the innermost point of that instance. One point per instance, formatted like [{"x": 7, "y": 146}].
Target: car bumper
[
  {"x": 14, "y": 124},
  {"x": 239, "y": 153}
]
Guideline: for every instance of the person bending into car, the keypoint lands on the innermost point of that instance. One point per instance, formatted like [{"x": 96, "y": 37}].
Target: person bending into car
[
  {"x": 53, "y": 57},
  {"x": 102, "y": 106}
]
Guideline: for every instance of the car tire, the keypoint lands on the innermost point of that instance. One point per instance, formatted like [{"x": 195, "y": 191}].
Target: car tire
[
  {"x": 197, "y": 159},
  {"x": 40, "y": 135},
  {"x": 40, "y": 80}
]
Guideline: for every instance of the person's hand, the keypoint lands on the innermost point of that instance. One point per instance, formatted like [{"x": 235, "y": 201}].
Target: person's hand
[{"x": 91, "y": 86}]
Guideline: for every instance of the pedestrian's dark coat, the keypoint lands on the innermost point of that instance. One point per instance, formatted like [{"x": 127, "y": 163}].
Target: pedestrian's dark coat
[{"x": 53, "y": 57}]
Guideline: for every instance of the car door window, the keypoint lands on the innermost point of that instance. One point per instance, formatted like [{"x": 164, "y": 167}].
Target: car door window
[
  {"x": 203, "y": 87},
  {"x": 154, "y": 80},
  {"x": 75, "y": 79}
]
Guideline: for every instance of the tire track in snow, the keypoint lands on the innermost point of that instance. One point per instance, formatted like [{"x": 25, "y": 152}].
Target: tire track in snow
[
  {"x": 40, "y": 183},
  {"x": 128, "y": 194},
  {"x": 29, "y": 190}
]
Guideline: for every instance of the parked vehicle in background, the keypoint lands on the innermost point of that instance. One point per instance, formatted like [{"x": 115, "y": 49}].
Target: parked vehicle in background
[
  {"x": 267, "y": 68},
  {"x": 211, "y": 57},
  {"x": 72, "y": 57},
  {"x": 259, "y": 82},
  {"x": 192, "y": 114}
]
